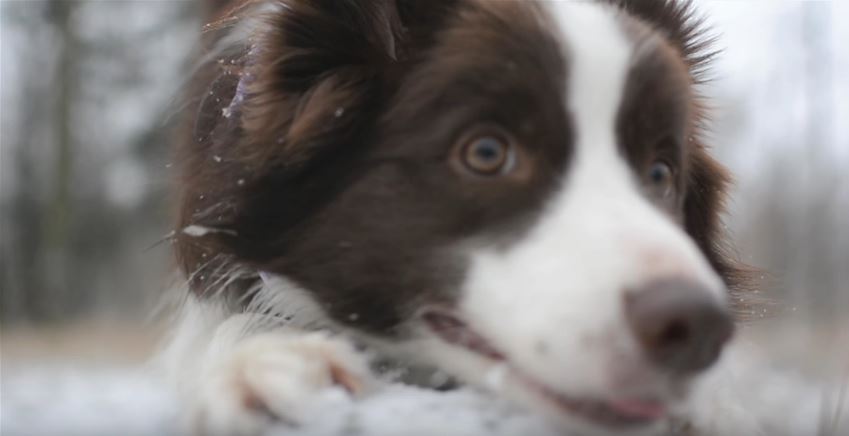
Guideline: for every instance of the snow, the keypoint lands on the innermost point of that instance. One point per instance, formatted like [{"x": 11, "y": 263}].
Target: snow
[
  {"x": 415, "y": 411},
  {"x": 68, "y": 400},
  {"x": 197, "y": 231}
]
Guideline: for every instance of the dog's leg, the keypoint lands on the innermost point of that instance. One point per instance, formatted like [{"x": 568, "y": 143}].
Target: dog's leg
[{"x": 240, "y": 381}]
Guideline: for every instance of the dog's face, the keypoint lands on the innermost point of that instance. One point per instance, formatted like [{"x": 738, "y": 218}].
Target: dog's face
[{"x": 485, "y": 184}]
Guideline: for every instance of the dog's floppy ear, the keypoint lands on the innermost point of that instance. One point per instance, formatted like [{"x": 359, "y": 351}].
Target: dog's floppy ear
[
  {"x": 303, "y": 84},
  {"x": 703, "y": 209},
  {"x": 321, "y": 67},
  {"x": 420, "y": 18},
  {"x": 307, "y": 40},
  {"x": 315, "y": 66}
]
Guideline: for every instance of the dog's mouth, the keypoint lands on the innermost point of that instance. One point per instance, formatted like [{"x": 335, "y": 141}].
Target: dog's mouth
[{"x": 611, "y": 413}]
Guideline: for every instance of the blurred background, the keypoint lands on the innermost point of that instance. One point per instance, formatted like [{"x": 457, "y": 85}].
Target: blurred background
[{"x": 88, "y": 97}]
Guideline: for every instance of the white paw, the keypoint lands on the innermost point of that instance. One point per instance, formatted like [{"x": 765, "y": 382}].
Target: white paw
[{"x": 276, "y": 378}]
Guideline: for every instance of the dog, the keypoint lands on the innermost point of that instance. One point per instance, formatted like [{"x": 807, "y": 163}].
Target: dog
[{"x": 516, "y": 193}]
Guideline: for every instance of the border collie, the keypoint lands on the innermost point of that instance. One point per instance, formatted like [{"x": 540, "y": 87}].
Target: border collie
[{"x": 478, "y": 186}]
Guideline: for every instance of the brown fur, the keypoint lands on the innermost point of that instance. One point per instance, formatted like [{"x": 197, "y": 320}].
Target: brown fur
[{"x": 330, "y": 170}]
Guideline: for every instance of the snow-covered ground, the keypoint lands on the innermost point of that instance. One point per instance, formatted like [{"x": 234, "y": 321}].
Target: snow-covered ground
[
  {"x": 762, "y": 69},
  {"x": 61, "y": 400},
  {"x": 54, "y": 400},
  {"x": 64, "y": 399}
]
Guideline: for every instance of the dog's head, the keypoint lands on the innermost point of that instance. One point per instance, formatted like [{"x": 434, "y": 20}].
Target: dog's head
[{"x": 488, "y": 184}]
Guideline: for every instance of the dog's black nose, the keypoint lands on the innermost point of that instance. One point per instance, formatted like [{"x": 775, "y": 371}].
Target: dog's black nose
[{"x": 680, "y": 325}]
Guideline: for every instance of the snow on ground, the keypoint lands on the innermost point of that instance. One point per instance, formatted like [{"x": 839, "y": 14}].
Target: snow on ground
[
  {"x": 411, "y": 411},
  {"x": 58, "y": 400},
  {"x": 62, "y": 401}
]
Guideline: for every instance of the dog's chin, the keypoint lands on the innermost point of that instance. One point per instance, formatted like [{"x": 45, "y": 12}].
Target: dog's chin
[{"x": 601, "y": 414}]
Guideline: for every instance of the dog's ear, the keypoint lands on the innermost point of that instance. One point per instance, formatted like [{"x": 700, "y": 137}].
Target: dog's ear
[
  {"x": 322, "y": 66},
  {"x": 420, "y": 19},
  {"x": 308, "y": 40},
  {"x": 290, "y": 85},
  {"x": 703, "y": 209}
]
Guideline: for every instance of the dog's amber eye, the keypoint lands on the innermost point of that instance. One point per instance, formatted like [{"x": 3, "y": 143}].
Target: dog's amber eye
[
  {"x": 487, "y": 155},
  {"x": 660, "y": 178}
]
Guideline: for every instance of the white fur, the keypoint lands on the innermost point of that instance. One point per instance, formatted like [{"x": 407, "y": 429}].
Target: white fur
[
  {"x": 217, "y": 360},
  {"x": 285, "y": 372},
  {"x": 553, "y": 301}
]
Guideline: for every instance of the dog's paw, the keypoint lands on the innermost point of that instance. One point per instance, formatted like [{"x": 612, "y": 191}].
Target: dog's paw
[{"x": 274, "y": 379}]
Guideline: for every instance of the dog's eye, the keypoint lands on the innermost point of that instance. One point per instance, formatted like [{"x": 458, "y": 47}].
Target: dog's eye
[
  {"x": 487, "y": 155},
  {"x": 660, "y": 178}
]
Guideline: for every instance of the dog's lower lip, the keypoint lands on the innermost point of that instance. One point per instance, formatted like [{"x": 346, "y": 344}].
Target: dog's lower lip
[
  {"x": 609, "y": 413},
  {"x": 617, "y": 413}
]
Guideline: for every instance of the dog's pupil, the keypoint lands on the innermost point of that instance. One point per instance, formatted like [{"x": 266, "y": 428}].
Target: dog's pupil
[
  {"x": 659, "y": 173},
  {"x": 488, "y": 150}
]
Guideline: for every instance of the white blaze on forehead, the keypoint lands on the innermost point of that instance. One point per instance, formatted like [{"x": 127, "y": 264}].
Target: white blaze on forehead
[
  {"x": 600, "y": 183},
  {"x": 598, "y": 54}
]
